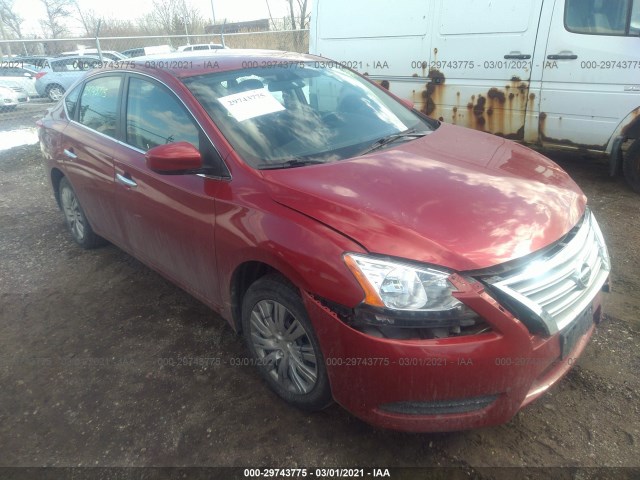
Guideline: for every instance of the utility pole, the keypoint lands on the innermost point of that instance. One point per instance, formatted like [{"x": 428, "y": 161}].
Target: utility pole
[{"x": 184, "y": 16}]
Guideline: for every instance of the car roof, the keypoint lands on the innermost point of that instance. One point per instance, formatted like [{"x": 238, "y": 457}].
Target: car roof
[{"x": 219, "y": 60}]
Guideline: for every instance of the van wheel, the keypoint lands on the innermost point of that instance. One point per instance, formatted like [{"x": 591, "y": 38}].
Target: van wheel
[
  {"x": 75, "y": 218},
  {"x": 283, "y": 345},
  {"x": 631, "y": 165}
]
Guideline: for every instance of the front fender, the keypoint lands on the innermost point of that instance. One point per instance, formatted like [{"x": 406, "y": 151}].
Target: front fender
[{"x": 306, "y": 252}]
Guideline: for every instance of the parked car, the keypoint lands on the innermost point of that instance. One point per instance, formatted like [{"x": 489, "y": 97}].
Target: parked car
[
  {"x": 425, "y": 276},
  {"x": 11, "y": 95},
  {"x": 201, "y": 46},
  {"x": 555, "y": 74},
  {"x": 20, "y": 75},
  {"x": 106, "y": 54},
  {"x": 152, "y": 50},
  {"x": 60, "y": 73},
  {"x": 31, "y": 61}
]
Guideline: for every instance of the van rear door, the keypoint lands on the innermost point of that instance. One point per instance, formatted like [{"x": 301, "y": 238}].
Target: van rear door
[
  {"x": 591, "y": 69},
  {"x": 482, "y": 53},
  {"x": 388, "y": 41}
]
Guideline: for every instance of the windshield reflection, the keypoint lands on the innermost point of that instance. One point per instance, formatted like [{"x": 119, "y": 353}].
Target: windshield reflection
[{"x": 274, "y": 115}]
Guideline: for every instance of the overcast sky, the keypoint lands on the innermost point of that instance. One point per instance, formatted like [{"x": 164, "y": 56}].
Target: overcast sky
[{"x": 233, "y": 10}]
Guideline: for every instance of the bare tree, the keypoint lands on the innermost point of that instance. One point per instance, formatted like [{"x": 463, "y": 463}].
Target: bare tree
[
  {"x": 299, "y": 19},
  {"x": 88, "y": 18},
  {"x": 10, "y": 19},
  {"x": 300, "y": 14},
  {"x": 169, "y": 17},
  {"x": 56, "y": 12}
]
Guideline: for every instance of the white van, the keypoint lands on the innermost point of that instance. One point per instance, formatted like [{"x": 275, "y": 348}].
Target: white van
[{"x": 549, "y": 73}]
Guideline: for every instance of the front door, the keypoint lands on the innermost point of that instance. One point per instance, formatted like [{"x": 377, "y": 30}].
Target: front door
[
  {"x": 592, "y": 62},
  {"x": 168, "y": 219}
]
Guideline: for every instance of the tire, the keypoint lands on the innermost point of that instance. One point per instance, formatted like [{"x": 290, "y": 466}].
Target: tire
[
  {"x": 55, "y": 92},
  {"x": 75, "y": 218},
  {"x": 631, "y": 165},
  {"x": 283, "y": 345}
]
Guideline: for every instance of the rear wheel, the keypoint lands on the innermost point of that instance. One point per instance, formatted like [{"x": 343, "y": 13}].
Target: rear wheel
[
  {"x": 55, "y": 92},
  {"x": 283, "y": 344},
  {"x": 75, "y": 218},
  {"x": 631, "y": 165}
]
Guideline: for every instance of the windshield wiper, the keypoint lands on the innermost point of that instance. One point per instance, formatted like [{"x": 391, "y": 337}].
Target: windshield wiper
[
  {"x": 384, "y": 141},
  {"x": 288, "y": 164}
]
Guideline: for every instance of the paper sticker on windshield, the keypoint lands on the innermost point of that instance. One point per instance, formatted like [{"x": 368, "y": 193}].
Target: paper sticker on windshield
[{"x": 250, "y": 104}]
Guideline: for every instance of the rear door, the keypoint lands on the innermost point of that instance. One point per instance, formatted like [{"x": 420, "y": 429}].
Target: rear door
[
  {"x": 481, "y": 64},
  {"x": 169, "y": 220},
  {"x": 87, "y": 145},
  {"x": 591, "y": 79}
]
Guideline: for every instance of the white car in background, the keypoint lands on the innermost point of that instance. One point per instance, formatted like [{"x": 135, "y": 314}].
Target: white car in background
[
  {"x": 143, "y": 51},
  {"x": 11, "y": 95},
  {"x": 25, "y": 77},
  {"x": 201, "y": 46}
]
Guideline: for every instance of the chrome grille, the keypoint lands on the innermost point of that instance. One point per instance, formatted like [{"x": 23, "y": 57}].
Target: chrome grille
[{"x": 557, "y": 288}]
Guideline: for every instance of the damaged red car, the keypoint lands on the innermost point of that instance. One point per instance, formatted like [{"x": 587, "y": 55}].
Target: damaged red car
[{"x": 424, "y": 276}]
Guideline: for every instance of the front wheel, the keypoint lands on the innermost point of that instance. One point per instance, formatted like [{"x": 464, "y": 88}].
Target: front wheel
[
  {"x": 75, "y": 218},
  {"x": 631, "y": 165},
  {"x": 283, "y": 344}
]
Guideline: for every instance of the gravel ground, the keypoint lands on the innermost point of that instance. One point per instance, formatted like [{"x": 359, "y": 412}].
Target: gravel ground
[{"x": 86, "y": 338}]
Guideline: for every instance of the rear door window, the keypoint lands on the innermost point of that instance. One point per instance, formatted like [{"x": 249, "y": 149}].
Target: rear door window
[{"x": 98, "y": 104}]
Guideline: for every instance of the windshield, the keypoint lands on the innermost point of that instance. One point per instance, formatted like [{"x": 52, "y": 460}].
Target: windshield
[{"x": 309, "y": 114}]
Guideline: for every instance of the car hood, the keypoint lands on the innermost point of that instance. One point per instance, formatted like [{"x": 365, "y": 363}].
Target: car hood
[{"x": 457, "y": 198}]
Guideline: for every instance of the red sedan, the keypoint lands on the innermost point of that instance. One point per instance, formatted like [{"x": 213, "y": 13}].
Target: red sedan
[{"x": 424, "y": 276}]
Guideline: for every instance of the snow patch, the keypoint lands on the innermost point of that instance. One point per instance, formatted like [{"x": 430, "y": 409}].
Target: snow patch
[{"x": 15, "y": 138}]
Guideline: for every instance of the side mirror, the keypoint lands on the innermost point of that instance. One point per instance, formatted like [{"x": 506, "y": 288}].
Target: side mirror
[{"x": 179, "y": 157}]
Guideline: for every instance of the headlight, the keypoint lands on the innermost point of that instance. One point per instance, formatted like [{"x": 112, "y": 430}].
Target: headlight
[{"x": 402, "y": 287}]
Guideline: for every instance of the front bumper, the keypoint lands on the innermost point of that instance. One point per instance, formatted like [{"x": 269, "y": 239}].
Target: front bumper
[{"x": 445, "y": 384}]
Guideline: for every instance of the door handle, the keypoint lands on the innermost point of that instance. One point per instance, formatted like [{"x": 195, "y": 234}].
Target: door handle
[
  {"x": 69, "y": 153},
  {"x": 517, "y": 56},
  {"x": 562, "y": 56},
  {"x": 126, "y": 181}
]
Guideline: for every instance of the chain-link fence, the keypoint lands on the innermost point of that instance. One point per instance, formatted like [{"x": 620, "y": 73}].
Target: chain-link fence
[{"x": 22, "y": 59}]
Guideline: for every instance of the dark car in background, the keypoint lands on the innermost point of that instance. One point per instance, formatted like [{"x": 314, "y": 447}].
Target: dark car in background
[{"x": 424, "y": 276}]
